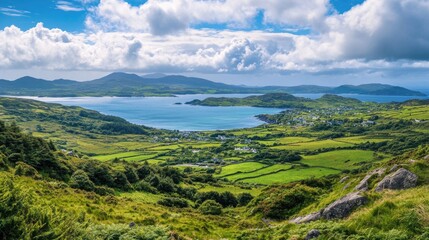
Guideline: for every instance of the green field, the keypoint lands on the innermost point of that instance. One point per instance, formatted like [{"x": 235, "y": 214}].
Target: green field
[
  {"x": 117, "y": 155},
  {"x": 240, "y": 167},
  {"x": 292, "y": 175},
  {"x": 410, "y": 112},
  {"x": 341, "y": 159},
  {"x": 313, "y": 145},
  {"x": 263, "y": 171}
]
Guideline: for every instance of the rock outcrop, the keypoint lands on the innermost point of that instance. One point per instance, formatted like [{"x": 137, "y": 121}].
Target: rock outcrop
[
  {"x": 363, "y": 184},
  {"x": 401, "y": 179},
  {"x": 313, "y": 233},
  {"x": 338, "y": 209},
  {"x": 344, "y": 206},
  {"x": 308, "y": 218}
]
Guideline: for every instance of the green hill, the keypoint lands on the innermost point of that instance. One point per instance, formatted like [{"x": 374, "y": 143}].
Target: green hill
[{"x": 280, "y": 100}]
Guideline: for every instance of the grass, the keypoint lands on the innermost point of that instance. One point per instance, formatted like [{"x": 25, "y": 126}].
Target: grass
[
  {"x": 313, "y": 145},
  {"x": 410, "y": 112},
  {"x": 263, "y": 171},
  {"x": 231, "y": 188},
  {"x": 240, "y": 167},
  {"x": 117, "y": 155},
  {"x": 292, "y": 175},
  {"x": 361, "y": 139},
  {"x": 341, "y": 159}
]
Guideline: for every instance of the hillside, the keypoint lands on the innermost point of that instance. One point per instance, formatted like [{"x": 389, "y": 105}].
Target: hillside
[
  {"x": 124, "y": 84},
  {"x": 275, "y": 181}
]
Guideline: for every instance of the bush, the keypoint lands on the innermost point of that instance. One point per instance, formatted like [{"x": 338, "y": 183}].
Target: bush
[
  {"x": 244, "y": 198},
  {"x": 120, "y": 181},
  {"x": 131, "y": 174},
  {"x": 188, "y": 193},
  {"x": 80, "y": 180},
  {"x": 227, "y": 199},
  {"x": 99, "y": 173},
  {"x": 166, "y": 186},
  {"x": 210, "y": 207},
  {"x": 145, "y": 187},
  {"x": 284, "y": 201},
  {"x": 173, "y": 202},
  {"x": 23, "y": 169}
]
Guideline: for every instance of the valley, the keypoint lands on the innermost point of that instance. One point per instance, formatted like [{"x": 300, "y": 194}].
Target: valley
[{"x": 313, "y": 148}]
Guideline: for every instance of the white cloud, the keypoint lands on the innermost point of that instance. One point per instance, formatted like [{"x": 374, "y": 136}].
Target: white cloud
[
  {"x": 171, "y": 16},
  {"x": 377, "y": 35},
  {"x": 196, "y": 50},
  {"x": 13, "y": 12},
  {"x": 68, "y": 6}
]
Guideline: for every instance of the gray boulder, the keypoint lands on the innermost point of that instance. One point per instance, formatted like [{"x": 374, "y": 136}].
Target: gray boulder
[
  {"x": 313, "y": 233},
  {"x": 363, "y": 184},
  {"x": 401, "y": 179},
  {"x": 308, "y": 218},
  {"x": 344, "y": 206}
]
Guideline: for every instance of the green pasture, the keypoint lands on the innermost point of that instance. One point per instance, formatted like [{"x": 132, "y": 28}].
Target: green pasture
[
  {"x": 240, "y": 167},
  {"x": 292, "y": 175},
  {"x": 341, "y": 159},
  {"x": 263, "y": 171},
  {"x": 313, "y": 145}
]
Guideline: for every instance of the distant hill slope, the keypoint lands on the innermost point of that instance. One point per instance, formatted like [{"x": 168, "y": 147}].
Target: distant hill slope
[
  {"x": 280, "y": 100},
  {"x": 376, "y": 89},
  {"x": 125, "y": 84}
]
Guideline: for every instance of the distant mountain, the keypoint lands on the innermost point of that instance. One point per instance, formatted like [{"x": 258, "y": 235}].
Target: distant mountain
[
  {"x": 375, "y": 89},
  {"x": 125, "y": 84}
]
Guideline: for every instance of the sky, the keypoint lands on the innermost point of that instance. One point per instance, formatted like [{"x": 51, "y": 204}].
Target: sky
[{"x": 251, "y": 42}]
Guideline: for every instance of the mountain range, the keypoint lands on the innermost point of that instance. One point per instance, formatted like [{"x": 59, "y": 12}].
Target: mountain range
[{"x": 124, "y": 84}]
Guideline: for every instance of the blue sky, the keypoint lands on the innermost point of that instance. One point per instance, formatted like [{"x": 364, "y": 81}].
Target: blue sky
[
  {"x": 254, "y": 42},
  {"x": 29, "y": 12}
]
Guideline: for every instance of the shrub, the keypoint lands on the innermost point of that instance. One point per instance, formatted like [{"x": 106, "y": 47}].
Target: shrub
[
  {"x": 23, "y": 169},
  {"x": 166, "y": 186},
  {"x": 227, "y": 199},
  {"x": 210, "y": 207},
  {"x": 99, "y": 173},
  {"x": 244, "y": 198},
  {"x": 282, "y": 202},
  {"x": 173, "y": 202},
  {"x": 188, "y": 193},
  {"x": 80, "y": 180},
  {"x": 120, "y": 181},
  {"x": 145, "y": 187},
  {"x": 131, "y": 174}
]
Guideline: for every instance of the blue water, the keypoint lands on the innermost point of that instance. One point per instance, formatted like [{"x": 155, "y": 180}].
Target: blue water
[{"x": 162, "y": 112}]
